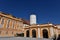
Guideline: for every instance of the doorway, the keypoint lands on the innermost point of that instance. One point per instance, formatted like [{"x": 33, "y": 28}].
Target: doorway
[
  {"x": 34, "y": 33},
  {"x": 27, "y": 33},
  {"x": 45, "y": 33}
]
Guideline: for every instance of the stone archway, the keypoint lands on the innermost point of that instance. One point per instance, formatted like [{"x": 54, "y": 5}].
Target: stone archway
[
  {"x": 33, "y": 33},
  {"x": 27, "y": 33},
  {"x": 45, "y": 33}
]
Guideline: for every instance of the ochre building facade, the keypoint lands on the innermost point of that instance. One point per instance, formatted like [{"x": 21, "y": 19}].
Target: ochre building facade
[
  {"x": 10, "y": 26},
  {"x": 42, "y": 31}
]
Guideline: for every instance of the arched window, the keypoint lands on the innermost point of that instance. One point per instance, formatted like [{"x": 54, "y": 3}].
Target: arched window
[
  {"x": 33, "y": 33},
  {"x": 45, "y": 33},
  {"x": 27, "y": 33}
]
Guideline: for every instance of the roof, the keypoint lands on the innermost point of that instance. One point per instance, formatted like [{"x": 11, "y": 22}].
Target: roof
[
  {"x": 26, "y": 21},
  {"x": 9, "y": 16}
]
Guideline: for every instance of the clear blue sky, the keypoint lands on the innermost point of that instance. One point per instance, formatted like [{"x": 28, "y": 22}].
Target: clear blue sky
[{"x": 46, "y": 10}]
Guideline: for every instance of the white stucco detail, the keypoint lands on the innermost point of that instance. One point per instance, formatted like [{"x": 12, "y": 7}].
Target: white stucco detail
[
  {"x": 56, "y": 32},
  {"x": 38, "y": 32},
  {"x": 25, "y": 25},
  {"x": 58, "y": 26},
  {"x": 44, "y": 28},
  {"x": 52, "y": 31}
]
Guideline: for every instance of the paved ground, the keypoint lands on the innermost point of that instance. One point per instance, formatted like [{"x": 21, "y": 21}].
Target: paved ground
[{"x": 21, "y": 38}]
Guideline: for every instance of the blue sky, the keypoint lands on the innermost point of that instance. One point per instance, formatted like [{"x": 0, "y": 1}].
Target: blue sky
[{"x": 46, "y": 10}]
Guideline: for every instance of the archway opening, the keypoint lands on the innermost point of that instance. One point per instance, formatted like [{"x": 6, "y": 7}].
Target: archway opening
[
  {"x": 45, "y": 33},
  {"x": 27, "y": 33},
  {"x": 33, "y": 33},
  {"x": 19, "y": 35}
]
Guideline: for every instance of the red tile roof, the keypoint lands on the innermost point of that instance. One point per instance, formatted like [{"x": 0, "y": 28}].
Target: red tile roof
[{"x": 26, "y": 21}]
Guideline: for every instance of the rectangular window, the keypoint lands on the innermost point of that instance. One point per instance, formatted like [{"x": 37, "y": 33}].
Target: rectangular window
[
  {"x": 8, "y": 23},
  {"x": 0, "y": 32},
  {"x": 0, "y": 17},
  {"x": 13, "y": 24},
  {"x": 12, "y": 32},
  {"x": 2, "y": 22},
  {"x": 6, "y": 32},
  {"x": 20, "y": 24}
]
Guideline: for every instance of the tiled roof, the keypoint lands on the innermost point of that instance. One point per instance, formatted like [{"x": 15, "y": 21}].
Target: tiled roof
[{"x": 26, "y": 22}]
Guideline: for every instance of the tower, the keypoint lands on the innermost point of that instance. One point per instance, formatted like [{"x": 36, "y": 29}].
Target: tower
[{"x": 32, "y": 19}]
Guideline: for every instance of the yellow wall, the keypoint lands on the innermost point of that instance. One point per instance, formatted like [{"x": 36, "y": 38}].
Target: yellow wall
[{"x": 18, "y": 25}]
